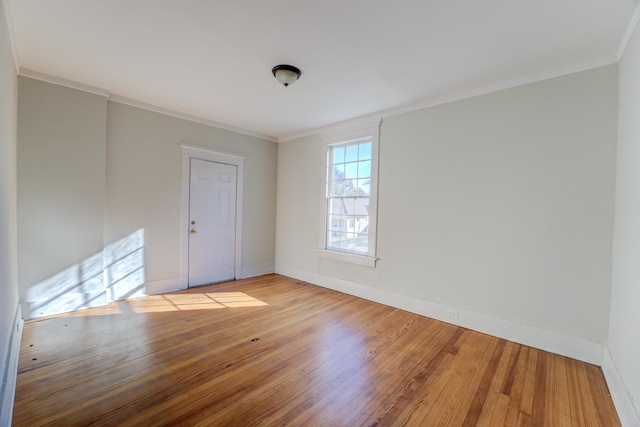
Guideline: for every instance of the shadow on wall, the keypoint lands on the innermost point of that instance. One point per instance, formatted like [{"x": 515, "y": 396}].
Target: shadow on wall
[{"x": 115, "y": 273}]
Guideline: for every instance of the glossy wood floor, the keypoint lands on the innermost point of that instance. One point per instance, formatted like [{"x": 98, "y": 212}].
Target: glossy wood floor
[{"x": 276, "y": 351}]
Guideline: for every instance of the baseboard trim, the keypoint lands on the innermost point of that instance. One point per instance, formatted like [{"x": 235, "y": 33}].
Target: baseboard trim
[
  {"x": 10, "y": 371},
  {"x": 154, "y": 287},
  {"x": 66, "y": 303},
  {"x": 576, "y": 348},
  {"x": 621, "y": 399},
  {"x": 258, "y": 270}
]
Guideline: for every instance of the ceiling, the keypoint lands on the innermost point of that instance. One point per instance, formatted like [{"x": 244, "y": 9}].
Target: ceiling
[{"x": 212, "y": 59}]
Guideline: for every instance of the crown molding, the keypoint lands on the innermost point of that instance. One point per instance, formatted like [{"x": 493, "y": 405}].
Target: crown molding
[
  {"x": 24, "y": 72},
  {"x": 633, "y": 23},
  {"x": 368, "y": 120},
  {"x": 184, "y": 116},
  {"x": 458, "y": 96},
  {"x": 36, "y": 75},
  {"x": 354, "y": 129},
  {"x": 507, "y": 84}
]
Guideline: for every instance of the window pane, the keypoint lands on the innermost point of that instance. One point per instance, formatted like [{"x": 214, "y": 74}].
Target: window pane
[
  {"x": 349, "y": 206},
  {"x": 335, "y": 206},
  {"x": 343, "y": 187},
  {"x": 362, "y": 206},
  {"x": 362, "y": 243},
  {"x": 338, "y": 171},
  {"x": 351, "y": 170},
  {"x": 338, "y": 155},
  {"x": 364, "y": 187},
  {"x": 365, "y": 151},
  {"x": 364, "y": 169},
  {"x": 334, "y": 223},
  {"x": 335, "y": 240},
  {"x": 346, "y": 241},
  {"x": 352, "y": 153}
]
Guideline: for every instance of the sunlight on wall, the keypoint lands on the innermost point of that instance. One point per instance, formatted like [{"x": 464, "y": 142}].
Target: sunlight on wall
[
  {"x": 124, "y": 267},
  {"x": 117, "y": 272},
  {"x": 79, "y": 286}
]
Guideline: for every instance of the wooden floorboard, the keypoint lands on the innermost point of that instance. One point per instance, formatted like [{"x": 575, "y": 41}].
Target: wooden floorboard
[{"x": 276, "y": 351}]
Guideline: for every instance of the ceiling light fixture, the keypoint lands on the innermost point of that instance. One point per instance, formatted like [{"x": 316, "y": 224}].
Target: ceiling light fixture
[{"x": 286, "y": 74}]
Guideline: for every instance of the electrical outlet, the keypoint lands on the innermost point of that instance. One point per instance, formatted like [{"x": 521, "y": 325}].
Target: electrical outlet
[{"x": 453, "y": 314}]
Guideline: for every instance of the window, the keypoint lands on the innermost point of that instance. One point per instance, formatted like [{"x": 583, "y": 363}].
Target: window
[
  {"x": 349, "y": 199},
  {"x": 348, "y": 192}
]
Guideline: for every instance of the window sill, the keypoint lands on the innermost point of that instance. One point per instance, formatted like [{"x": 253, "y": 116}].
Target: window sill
[{"x": 364, "y": 260}]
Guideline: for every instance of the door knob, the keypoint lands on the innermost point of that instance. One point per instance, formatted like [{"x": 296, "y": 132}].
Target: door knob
[
  {"x": 193, "y": 231},
  {"x": 193, "y": 222}
]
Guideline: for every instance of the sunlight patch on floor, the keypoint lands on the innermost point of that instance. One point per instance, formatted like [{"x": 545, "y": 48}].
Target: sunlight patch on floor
[
  {"x": 181, "y": 302},
  {"x": 172, "y": 302}
]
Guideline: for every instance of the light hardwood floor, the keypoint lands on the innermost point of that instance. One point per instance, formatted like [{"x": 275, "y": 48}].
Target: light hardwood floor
[{"x": 275, "y": 351}]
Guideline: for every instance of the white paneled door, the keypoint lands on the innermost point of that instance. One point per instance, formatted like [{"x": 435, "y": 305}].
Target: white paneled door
[{"x": 212, "y": 222}]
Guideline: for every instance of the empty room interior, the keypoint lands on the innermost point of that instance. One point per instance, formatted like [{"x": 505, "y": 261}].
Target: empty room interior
[{"x": 319, "y": 213}]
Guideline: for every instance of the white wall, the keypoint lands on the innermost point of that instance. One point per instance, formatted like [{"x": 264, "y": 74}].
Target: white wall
[
  {"x": 500, "y": 205},
  {"x": 144, "y": 188},
  {"x": 61, "y": 181},
  {"x": 99, "y": 190},
  {"x": 8, "y": 259},
  {"x": 624, "y": 335}
]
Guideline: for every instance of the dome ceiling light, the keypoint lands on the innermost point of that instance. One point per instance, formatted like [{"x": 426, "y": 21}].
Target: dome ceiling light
[{"x": 286, "y": 74}]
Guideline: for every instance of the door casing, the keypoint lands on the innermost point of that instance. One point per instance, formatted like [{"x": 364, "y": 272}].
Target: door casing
[
  {"x": 212, "y": 216},
  {"x": 203, "y": 153}
]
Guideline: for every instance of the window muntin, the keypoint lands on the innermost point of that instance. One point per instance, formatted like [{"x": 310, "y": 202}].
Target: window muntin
[{"x": 348, "y": 197}]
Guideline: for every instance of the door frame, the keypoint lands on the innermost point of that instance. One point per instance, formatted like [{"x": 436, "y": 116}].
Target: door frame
[{"x": 203, "y": 153}]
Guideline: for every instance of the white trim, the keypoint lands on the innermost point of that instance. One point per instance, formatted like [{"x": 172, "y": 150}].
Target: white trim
[
  {"x": 184, "y": 116},
  {"x": 576, "y": 348},
  {"x": 9, "y": 374},
  {"x": 335, "y": 127},
  {"x": 36, "y": 75},
  {"x": 71, "y": 301},
  {"x": 258, "y": 270},
  {"x": 621, "y": 398},
  {"x": 204, "y": 153},
  {"x": 458, "y": 96},
  {"x": 348, "y": 257},
  {"x": 375, "y": 116},
  {"x": 12, "y": 39},
  {"x": 212, "y": 155},
  {"x": 353, "y": 129},
  {"x": 24, "y": 72},
  {"x": 633, "y": 23}
]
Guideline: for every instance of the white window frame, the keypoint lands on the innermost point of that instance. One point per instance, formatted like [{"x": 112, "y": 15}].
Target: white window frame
[{"x": 369, "y": 131}]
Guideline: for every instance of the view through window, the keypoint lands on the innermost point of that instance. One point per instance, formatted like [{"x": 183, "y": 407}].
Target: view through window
[{"x": 348, "y": 196}]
